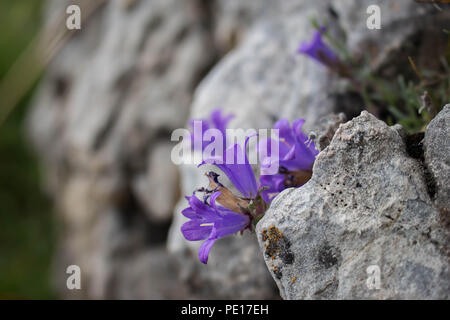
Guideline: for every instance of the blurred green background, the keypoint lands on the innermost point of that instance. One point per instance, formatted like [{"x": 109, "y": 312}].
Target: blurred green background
[{"x": 26, "y": 225}]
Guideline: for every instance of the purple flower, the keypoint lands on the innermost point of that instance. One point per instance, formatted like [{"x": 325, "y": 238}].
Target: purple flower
[
  {"x": 319, "y": 51},
  {"x": 295, "y": 159},
  {"x": 210, "y": 222},
  {"x": 217, "y": 121},
  {"x": 235, "y": 165}
]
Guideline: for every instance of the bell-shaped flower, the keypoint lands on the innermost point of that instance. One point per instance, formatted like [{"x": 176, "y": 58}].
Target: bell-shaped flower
[
  {"x": 318, "y": 50},
  {"x": 216, "y": 120},
  {"x": 235, "y": 165},
  {"x": 210, "y": 222}
]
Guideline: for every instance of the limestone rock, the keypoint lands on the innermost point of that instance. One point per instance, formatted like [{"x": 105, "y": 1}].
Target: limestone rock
[
  {"x": 325, "y": 129},
  {"x": 365, "y": 210}
]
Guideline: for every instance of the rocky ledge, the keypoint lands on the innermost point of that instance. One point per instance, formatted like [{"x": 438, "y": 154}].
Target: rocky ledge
[{"x": 371, "y": 223}]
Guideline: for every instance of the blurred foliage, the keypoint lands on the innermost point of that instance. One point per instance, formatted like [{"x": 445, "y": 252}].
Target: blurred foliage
[
  {"x": 414, "y": 104},
  {"x": 26, "y": 226}
]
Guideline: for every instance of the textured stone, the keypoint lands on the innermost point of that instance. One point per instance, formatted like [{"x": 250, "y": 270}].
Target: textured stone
[
  {"x": 400, "y": 21},
  {"x": 325, "y": 129},
  {"x": 365, "y": 205},
  {"x": 104, "y": 111},
  {"x": 263, "y": 79},
  {"x": 156, "y": 189},
  {"x": 437, "y": 156},
  {"x": 101, "y": 122}
]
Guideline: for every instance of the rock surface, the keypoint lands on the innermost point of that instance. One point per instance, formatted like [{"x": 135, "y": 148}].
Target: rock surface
[
  {"x": 103, "y": 115},
  {"x": 242, "y": 84},
  {"x": 366, "y": 209},
  {"x": 437, "y": 159}
]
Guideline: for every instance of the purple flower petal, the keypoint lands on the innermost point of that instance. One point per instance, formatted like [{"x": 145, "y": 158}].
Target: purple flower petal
[
  {"x": 220, "y": 122},
  {"x": 285, "y": 133},
  {"x": 210, "y": 222},
  {"x": 203, "y": 253},
  {"x": 318, "y": 50},
  {"x": 297, "y": 126},
  {"x": 295, "y": 153},
  {"x": 215, "y": 121},
  {"x": 195, "y": 230},
  {"x": 190, "y": 213},
  {"x": 197, "y": 142},
  {"x": 202, "y": 209},
  {"x": 240, "y": 174}
]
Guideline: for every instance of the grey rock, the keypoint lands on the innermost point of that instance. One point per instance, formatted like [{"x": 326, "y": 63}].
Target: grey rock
[
  {"x": 325, "y": 129},
  {"x": 366, "y": 205},
  {"x": 148, "y": 274},
  {"x": 437, "y": 156},
  {"x": 156, "y": 189},
  {"x": 115, "y": 263}
]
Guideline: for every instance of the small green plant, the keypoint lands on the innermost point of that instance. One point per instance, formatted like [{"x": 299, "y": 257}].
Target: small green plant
[{"x": 409, "y": 101}]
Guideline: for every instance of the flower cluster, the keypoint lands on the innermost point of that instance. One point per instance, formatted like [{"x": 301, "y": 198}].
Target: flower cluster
[
  {"x": 295, "y": 161},
  {"x": 216, "y": 121},
  {"x": 220, "y": 212}
]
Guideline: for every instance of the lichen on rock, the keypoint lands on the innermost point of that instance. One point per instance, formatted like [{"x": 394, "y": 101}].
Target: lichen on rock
[{"x": 366, "y": 205}]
